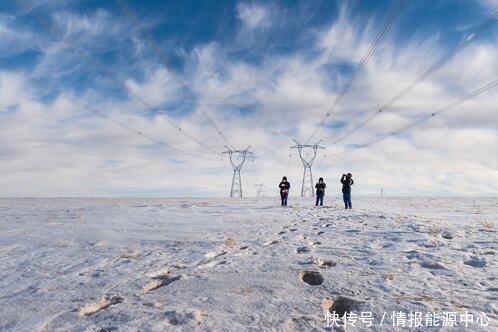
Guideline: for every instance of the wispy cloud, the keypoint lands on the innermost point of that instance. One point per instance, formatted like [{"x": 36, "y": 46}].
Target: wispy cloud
[
  {"x": 57, "y": 144},
  {"x": 254, "y": 16}
]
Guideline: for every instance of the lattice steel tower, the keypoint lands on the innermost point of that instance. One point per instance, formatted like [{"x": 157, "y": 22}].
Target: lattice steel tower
[
  {"x": 237, "y": 159},
  {"x": 307, "y": 188},
  {"x": 260, "y": 190}
]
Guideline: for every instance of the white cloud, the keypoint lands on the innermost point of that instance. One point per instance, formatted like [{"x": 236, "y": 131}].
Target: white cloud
[
  {"x": 12, "y": 88},
  {"x": 254, "y": 16},
  {"x": 13, "y": 38},
  {"x": 58, "y": 148},
  {"x": 491, "y": 4},
  {"x": 99, "y": 23},
  {"x": 257, "y": 20},
  {"x": 160, "y": 87}
]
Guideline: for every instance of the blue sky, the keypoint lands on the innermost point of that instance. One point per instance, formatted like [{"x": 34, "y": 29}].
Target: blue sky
[
  {"x": 80, "y": 79},
  {"x": 179, "y": 27}
]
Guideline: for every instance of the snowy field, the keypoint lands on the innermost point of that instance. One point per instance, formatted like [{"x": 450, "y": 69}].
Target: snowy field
[{"x": 220, "y": 264}]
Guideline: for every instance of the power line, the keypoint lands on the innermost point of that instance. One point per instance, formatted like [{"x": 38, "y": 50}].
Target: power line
[
  {"x": 254, "y": 170},
  {"x": 147, "y": 136},
  {"x": 359, "y": 68},
  {"x": 258, "y": 185},
  {"x": 321, "y": 161},
  {"x": 43, "y": 21},
  {"x": 133, "y": 130},
  {"x": 165, "y": 58},
  {"x": 481, "y": 29},
  {"x": 215, "y": 126},
  {"x": 432, "y": 69},
  {"x": 111, "y": 119},
  {"x": 428, "y": 116},
  {"x": 288, "y": 163}
]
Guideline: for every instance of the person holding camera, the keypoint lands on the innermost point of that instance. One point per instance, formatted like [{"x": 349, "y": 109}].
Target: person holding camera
[
  {"x": 284, "y": 190},
  {"x": 347, "y": 182},
  {"x": 320, "y": 191}
]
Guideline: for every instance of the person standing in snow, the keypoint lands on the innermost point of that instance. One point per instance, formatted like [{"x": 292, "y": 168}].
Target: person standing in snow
[
  {"x": 347, "y": 182},
  {"x": 320, "y": 191},
  {"x": 284, "y": 190}
]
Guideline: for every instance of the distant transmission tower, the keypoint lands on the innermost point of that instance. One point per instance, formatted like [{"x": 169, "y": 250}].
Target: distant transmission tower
[
  {"x": 259, "y": 190},
  {"x": 307, "y": 188},
  {"x": 237, "y": 159}
]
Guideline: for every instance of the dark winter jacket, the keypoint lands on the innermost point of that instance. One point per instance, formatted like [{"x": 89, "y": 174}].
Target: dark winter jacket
[
  {"x": 284, "y": 187},
  {"x": 346, "y": 184},
  {"x": 320, "y": 188}
]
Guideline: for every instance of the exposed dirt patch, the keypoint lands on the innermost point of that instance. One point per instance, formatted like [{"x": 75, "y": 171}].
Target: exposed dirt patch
[
  {"x": 325, "y": 263},
  {"x": 230, "y": 242},
  {"x": 104, "y": 303},
  {"x": 158, "y": 283}
]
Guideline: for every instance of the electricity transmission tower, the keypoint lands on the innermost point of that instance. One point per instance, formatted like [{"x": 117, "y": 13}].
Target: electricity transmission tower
[
  {"x": 307, "y": 188},
  {"x": 237, "y": 159},
  {"x": 260, "y": 191}
]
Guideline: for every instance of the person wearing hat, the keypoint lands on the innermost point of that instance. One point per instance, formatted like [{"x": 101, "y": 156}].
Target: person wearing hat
[
  {"x": 320, "y": 191},
  {"x": 284, "y": 190},
  {"x": 347, "y": 182}
]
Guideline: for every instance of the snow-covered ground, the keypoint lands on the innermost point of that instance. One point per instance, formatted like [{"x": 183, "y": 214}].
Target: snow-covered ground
[{"x": 246, "y": 264}]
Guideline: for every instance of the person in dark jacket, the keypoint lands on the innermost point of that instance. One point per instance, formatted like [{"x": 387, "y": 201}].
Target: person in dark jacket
[
  {"x": 347, "y": 182},
  {"x": 320, "y": 191},
  {"x": 284, "y": 190}
]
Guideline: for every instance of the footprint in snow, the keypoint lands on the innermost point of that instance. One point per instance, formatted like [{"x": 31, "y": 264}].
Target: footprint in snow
[
  {"x": 313, "y": 278},
  {"x": 341, "y": 305},
  {"x": 174, "y": 318},
  {"x": 130, "y": 254},
  {"x": 447, "y": 235},
  {"x": 432, "y": 265},
  {"x": 413, "y": 254},
  {"x": 475, "y": 261},
  {"x": 302, "y": 250}
]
